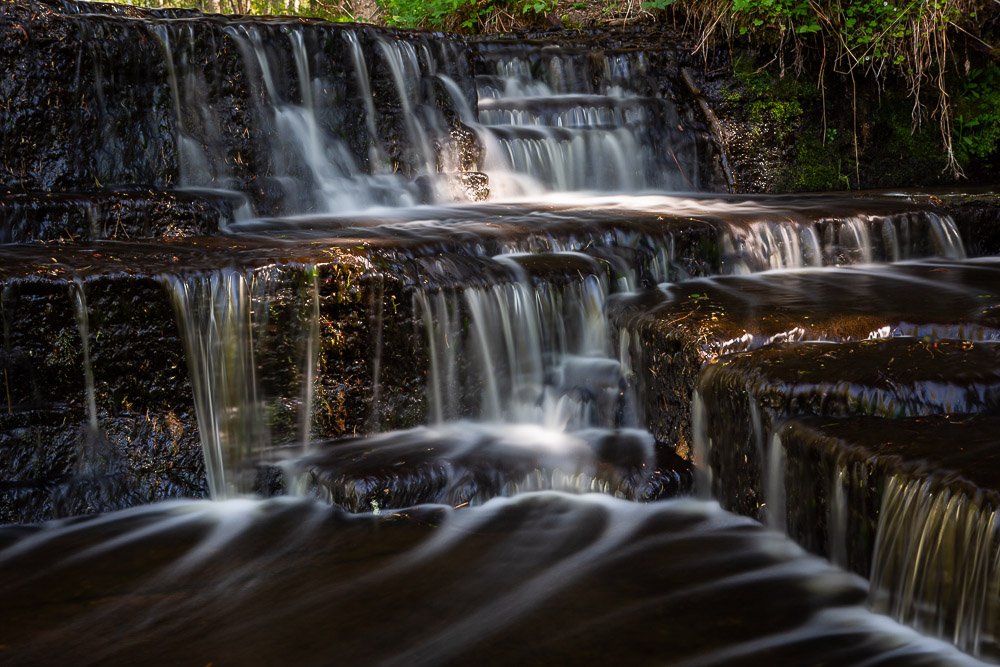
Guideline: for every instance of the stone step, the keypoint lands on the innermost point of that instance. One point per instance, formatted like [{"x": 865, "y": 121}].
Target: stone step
[
  {"x": 690, "y": 324},
  {"x": 836, "y": 470},
  {"x": 113, "y": 214},
  {"x": 541, "y": 579},
  {"x": 368, "y": 321},
  {"x": 901, "y": 501},
  {"x": 743, "y": 398},
  {"x": 142, "y": 385},
  {"x": 570, "y": 111}
]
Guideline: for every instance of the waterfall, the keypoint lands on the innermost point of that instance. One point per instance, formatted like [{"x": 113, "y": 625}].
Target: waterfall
[
  {"x": 702, "y": 447},
  {"x": 838, "y": 514},
  {"x": 360, "y": 326},
  {"x": 536, "y": 350},
  {"x": 792, "y": 243},
  {"x": 774, "y": 493},
  {"x": 214, "y": 314},
  {"x": 79, "y": 292},
  {"x": 303, "y": 119},
  {"x": 546, "y": 126},
  {"x": 937, "y": 562},
  {"x": 310, "y": 357}
]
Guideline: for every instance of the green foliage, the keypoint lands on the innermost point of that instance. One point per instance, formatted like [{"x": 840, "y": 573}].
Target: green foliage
[
  {"x": 794, "y": 15},
  {"x": 780, "y": 116},
  {"x": 977, "y": 119},
  {"x": 657, "y": 5},
  {"x": 818, "y": 166},
  {"x": 466, "y": 15},
  {"x": 907, "y": 38},
  {"x": 322, "y": 9}
]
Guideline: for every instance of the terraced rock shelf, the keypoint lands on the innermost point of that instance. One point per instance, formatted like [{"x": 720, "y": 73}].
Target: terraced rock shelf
[{"x": 328, "y": 343}]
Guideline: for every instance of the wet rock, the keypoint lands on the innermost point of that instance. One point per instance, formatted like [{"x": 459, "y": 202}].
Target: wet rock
[
  {"x": 689, "y": 324},
  {"x": 837, "y": 470},
  {"x": 91, "y": 216},
  {"x": 183, "y": 100},
  {"x": 537, "y": 571},
  {"x": 53, "y": 469},
  {"x": 909, "y": 503},
  {"x": 466, "y": 463},
  {"x": 142, "y": 384},
  {"x": 745, "y": 396},
  {"x": 475, "y": 186}
]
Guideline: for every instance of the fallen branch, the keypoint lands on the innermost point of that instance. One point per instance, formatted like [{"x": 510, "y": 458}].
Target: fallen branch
[{"x": 718, "y": 133}]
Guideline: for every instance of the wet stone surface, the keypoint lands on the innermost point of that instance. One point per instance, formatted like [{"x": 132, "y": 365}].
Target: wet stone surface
[
  {"x": 958, "y": 453},
  {"x": 578, "y": 579},
  {"x": 746, "y": 395},
  {"x": 147, "y": 426},
  {"x": 685, "y": 325},
  {"x": 464, "y": 464},
  {"x": 91, "y": 216}
]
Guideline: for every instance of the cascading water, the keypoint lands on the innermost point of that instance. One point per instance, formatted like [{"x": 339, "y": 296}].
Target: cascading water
[
  {"x": 538, "y": 351},
  {"x": 346, "y": 167},
  {"x": 215, "y": 314},
  {"x": 936, "y": 563},
  {"x": 546, "y": 124}
]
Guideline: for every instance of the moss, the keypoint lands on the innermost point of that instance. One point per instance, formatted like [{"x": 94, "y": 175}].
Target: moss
[
  {"x": 781, "y": 116},
  {"x": 818, "y": 166}
]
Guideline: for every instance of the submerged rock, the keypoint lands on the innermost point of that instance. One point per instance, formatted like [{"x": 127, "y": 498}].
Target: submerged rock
[
  {"x": 539, "y": 579},
  {"x": 464, "y": 464}
]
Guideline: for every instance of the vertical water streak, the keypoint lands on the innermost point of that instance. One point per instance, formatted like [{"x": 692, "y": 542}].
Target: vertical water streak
[
  {"x": 404, "y": 65},
  {"x": 79, "y": 294},
  {"x": 812, "y": 249},
  {"x": 774, "y": 494},
  {"x": 838, "y": 515},
  {"x": 855, "y": 235},
  {"x": 438, "y": 313},
  {"x": 310, "y": 358},
  {"x": 947, "y": 239},
  {"x": 199, "y": 138},
  {"x": 630, "y": 357},
  {"x": 890, "y": 237},
  {"x": 214, "y": 316},
  {"x": 935, "y": 565},
  {"x": 478, "y": 305},
  {"x": 377, "y": 314},
  {"x": 363, "y": 79},
  {"x": 94, "y": 454},
  {"x": 702, "y": 455},
  {"x": 534, "y": 349}
]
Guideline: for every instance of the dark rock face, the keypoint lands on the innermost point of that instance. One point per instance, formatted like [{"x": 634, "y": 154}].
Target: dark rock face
[
  {"x": 142, "y": 388},
  {"x": 83, "y": 117},
  {"x": 894, "y": 498},
  {"x": 102, "y": 98},
  {"x": 958, "y": 452},
  {"x": 120, "y": 215}
]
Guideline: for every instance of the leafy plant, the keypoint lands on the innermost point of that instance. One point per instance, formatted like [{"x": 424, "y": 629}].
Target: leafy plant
[
  {"x": 657, "y": 5},
  {"x": 465, "y": 15},
  {"x": 977, "y": 119}
]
